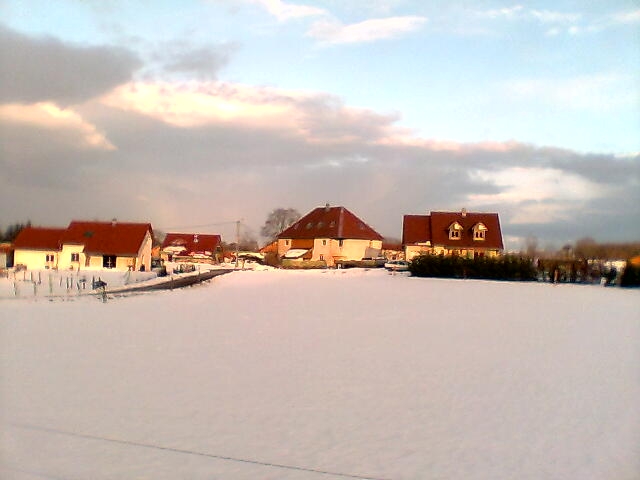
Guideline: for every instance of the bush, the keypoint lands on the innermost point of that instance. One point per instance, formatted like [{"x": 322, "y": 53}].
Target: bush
[
  {"x": 303, "y": 264},
  {"x": 630, "y": 276},
  {"x": 508, "y": 267}
]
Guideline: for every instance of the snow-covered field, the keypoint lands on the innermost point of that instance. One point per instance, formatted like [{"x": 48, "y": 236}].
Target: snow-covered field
[{"x": 324, "y": 374}]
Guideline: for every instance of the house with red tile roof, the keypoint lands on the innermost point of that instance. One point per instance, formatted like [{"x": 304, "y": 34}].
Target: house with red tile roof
[
  {"x": 329, "y": 234},
  {"x": 469, "y": 234},
  {"x": 86, "y": 246},
  {"x": 191, "y": 247}
]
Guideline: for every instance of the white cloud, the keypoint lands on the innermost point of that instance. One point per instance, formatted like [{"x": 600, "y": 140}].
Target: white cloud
[
  {"x": 543, "y": 195},
  {"x": 334, "y": 32},
  {"x": 288, "y": 11},
  {"x": 507, "y": 12},
  {"x": 588, "y": 92},
  {"x": 547, "y": 16},
  {"x": 49, "y": 116},
  {"x": 626, "y": 17}
]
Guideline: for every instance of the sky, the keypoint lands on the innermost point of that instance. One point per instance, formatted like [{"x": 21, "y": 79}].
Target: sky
[{"x": 193, "y": 114}]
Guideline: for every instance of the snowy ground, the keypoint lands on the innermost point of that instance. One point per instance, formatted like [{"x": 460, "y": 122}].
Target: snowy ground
[{"x": 324, "y": 374}]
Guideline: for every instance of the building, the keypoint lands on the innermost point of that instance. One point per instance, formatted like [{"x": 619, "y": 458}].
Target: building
[
  {"x": 191, "y": 247},
  {"x": 86, "y": 246},
  {"x": 6, "y": 255},
  {"x": 329, "y": 234},
  {"x": 468, "y": 234}
]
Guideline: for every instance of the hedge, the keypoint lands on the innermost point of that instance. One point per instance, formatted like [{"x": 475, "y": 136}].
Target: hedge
[
  {"x": 630, "y": 276},
  {"x": 506, "y": 267}
]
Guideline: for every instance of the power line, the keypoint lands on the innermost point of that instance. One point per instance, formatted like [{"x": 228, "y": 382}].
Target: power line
[{"x": 195, "y": 453}]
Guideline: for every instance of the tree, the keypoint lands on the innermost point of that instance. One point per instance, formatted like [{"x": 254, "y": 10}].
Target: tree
[
  {"x": 12, "y": 231},
  {"x": 277, "y": 221},
  {"x": 531, "y": 246}
]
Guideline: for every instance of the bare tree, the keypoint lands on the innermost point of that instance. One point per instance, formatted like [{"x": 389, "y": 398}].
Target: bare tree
[
  {"x": 531, "y": 246},
  {"x": 277, "y": 221}
]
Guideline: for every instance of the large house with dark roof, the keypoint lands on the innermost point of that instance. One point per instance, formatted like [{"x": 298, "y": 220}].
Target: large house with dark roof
[
  {"x": 469, "y": 234},
  {"x": 329, "y": 234},
  {"x": 86, "y": 245},
  {"x": 193, "y": 247}
]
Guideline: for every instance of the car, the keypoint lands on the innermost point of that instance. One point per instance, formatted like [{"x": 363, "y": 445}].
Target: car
[{"x": 397, "y": 265}]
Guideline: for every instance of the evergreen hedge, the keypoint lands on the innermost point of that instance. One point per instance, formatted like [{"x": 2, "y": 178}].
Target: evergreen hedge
[
  {"x": 506, "y": 267},
  {"x": 630, "y": 276}
]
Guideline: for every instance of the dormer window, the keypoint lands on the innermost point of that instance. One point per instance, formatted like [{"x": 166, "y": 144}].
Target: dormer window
[
  {"x": 455, "y": 231},
  {"x": 479, "y": 231}
]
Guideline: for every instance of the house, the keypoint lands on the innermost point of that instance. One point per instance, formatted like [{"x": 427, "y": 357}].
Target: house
[
  {"x": 192, "y": 247},
  {"x": 468, "y": 234},
  {"x": 6, "y": 255},
  {"x": 329, "y": 234},
  {"x": 86, "y": 245}
]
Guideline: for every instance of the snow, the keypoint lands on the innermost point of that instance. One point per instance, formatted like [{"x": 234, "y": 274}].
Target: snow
[{"x": 324, "y": 374}]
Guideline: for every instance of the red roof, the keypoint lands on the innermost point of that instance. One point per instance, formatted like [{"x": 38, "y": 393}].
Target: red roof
[
  {"x": 192, "y": 242},
  {"x": 416, "y": 229},
  {"x": 38, "y": 238},
  {"x": 112, "y": 238},
  {"x": 435, "y": 229},
  {"x": 330, "y": 222}
]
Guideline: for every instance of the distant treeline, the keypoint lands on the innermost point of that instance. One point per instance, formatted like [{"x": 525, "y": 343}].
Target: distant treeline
[
  {"x": 11, "y": 232},
  {"x": 592, "y": 250}
]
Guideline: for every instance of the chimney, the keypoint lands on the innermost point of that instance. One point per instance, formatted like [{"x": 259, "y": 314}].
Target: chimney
[
  {"x": 195, "y": 238},
  {"x": 464, "y": 212},
  {"x": 114, "y": 221},
  {"x": 327, "y": 207}
]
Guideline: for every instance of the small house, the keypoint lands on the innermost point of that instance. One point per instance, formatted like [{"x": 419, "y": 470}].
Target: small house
[
  {"x": 329, "y": 234},
  {"x": 468, "y": 234}
]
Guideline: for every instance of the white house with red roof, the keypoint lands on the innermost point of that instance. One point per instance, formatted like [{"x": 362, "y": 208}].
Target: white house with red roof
[
  {"x": 329, "y": 234},
  {"x": 86, "y": 246},
  {"x": 193, "y": 247},
  {"x": 468, "y": 234}
]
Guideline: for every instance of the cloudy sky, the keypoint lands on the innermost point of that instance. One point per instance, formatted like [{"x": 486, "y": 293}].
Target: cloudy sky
[{"x": 193, "y": 113}]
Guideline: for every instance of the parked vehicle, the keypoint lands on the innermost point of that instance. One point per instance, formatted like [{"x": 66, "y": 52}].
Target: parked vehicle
[{"x": 397, "y": 265}]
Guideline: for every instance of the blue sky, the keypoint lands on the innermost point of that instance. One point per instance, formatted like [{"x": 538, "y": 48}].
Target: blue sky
[{"x": 389, "y": 107}]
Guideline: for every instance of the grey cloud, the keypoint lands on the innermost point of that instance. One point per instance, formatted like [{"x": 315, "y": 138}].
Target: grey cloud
[
  {"x": 180, "y": 176},
  {"x": 201, "y": 62},
  {"x": 45, "y": 69}
]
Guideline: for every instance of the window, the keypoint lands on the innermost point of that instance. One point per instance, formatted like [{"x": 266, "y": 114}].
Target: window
[
  {"x": 286, "y": 242},
  {"x": 50, "y": 258},
  {"x": 479, "y": 231},
  {"x": 321, "y": 257},
  {"x": 455, "y": 231},
  {"x": 340, "y": 242},
  {"x": 324, "y": 242},
  {"x": 75, "y": 257}
]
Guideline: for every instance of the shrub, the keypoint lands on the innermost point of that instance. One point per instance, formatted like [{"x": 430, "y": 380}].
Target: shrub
[
  {"x": 507, "y": 267},
  {"x": 630, "y": 276}
]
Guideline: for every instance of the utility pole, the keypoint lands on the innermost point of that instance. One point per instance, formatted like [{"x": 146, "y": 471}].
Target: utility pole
[{"x": 237, "y": 241}]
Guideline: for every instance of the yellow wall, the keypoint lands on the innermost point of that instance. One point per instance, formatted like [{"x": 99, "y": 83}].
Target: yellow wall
[
  {"x": 330, "y": 250},
  {"x": 412, "y": 251},
  {"x": 64, "y": 257},
  {"x": 35, "y": 259}
]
